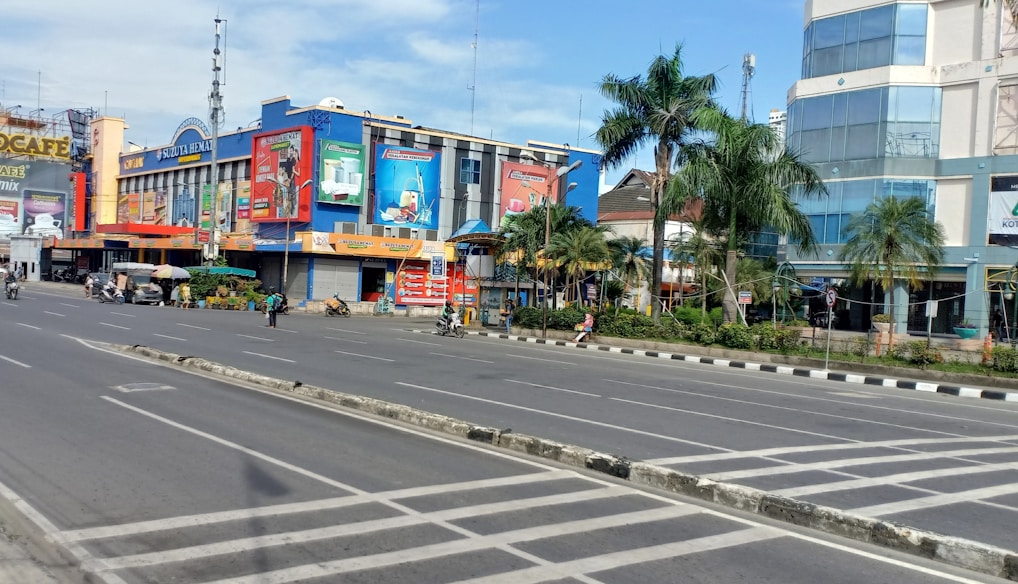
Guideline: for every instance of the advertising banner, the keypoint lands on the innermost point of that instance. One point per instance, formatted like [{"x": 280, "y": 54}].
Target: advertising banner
[
  {"x": 45, "y": 213},
  {"x": 153, "y": 208},
  {"x": 282, "y": 165},
  {"x": 1002, "y": 210},
  {"x": 524, "y": 187},
  {"x": 416, "y": 285},
  {"x": 34, "y": 198},
  {"x": 360, "y": 245},
  {"x": 407, "y": 187},
  {"x": 341, "y": 173},
  {"x": 243, "y": 207}
]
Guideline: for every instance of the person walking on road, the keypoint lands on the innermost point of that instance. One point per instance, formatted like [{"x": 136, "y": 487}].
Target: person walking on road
[
  {"x": 272, "y": 307},
  {"x": 88, "y": 286},
  {"x": 185, "y": 295},
  {"x": 510, "y": 306}
]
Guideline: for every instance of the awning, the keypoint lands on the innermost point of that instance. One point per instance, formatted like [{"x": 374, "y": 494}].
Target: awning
[{"x": 230, "y": 270}]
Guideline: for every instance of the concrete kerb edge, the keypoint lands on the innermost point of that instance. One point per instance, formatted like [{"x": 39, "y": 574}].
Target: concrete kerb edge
[{"x": 955, "y": 551}]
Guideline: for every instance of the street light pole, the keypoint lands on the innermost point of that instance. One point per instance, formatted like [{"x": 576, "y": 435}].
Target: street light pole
[
  {"x": 562, "y": 171},
  {"x": 286, "y": 250}
]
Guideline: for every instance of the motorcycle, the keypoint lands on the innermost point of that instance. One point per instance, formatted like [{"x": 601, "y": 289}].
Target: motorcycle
[
  {"x": 282, "y": 308},
  {"x": 115, "y": 296},
  {"x": 454, "y": 326},
  {"x": 11, "y": 289},
  {"x": 335, "y": 306}
]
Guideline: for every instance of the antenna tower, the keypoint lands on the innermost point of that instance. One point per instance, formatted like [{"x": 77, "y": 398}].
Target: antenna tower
[
  {"x": 473, "y": 84},
  {"x": 748, "y": 69},
  {"x": 215, "y": 122}
]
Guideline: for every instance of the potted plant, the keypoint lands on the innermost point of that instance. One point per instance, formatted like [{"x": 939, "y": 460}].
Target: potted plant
[
  {"x": 881, "y": 322},
  {"x": 965, "y": 329}
]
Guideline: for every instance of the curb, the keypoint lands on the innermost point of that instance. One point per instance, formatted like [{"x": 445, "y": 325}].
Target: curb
[
  {"x": 925, "y": 386},
  {"x": 955, "y": 551}
]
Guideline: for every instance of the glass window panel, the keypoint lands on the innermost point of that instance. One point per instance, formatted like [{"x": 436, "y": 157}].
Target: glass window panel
[
  {"x": 910, "y": 50},
  {"x": 833, "y": 233},
  {"x": 876, "y": 22},
  {"x": 843, "y": 235},
  {"x": 807, "y": 40},
  {"x": 828, "y": 32},
  {"x": 862, "y": 142},
  {"x": 864, "y": 106},
  {"x": 910, "y": 140},
  {"x": 806, "y": 69},
  {"x": 840, "y": 109},
  {"x": 856, "y": 194},
  {"x": 934, "y": 140},
  {"x": 816, "y": 112},
  {"x": 815, "y": 145},
  {"x": 851, "y": 27},
  {"x": 910, "y": 20},
  {"x": 827, "y": 61},
  {"x": 915, "y": 104},
  {"x": 937, "y": 95},
  {"x": 838, "y": 143},
  {"x": 875, "y": 53},
  {"x": 850, "y": 57},
  {"x": 818, "y": 223}
]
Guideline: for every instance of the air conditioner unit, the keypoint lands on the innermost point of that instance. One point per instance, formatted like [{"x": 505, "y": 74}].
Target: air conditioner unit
[
  {"x": 378, "y": 230},
  {"x": 431, "y": 234},
  {"x": 404, "y": 233},
  {"x": 349, "y": 228}
]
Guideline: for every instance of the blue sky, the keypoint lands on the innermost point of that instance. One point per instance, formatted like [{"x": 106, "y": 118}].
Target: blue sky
[{"x": 150, "y": 61}]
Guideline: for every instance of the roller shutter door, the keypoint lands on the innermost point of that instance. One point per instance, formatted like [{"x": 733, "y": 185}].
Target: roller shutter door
[{"x": 331, "y": 276}]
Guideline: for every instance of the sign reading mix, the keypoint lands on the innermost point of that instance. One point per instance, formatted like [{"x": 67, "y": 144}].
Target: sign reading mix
[{"x": 341, "y": 173}]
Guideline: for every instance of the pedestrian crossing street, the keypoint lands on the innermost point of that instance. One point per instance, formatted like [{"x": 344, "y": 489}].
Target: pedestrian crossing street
[{"x": 547, "y": 526}]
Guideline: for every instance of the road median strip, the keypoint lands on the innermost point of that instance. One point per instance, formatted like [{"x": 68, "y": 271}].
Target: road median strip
[{"x": 955, "y": 551}]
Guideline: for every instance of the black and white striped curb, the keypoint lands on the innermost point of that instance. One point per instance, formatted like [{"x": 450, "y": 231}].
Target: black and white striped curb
[
  {"x": 955, "y": 551},
  {"x": 925, "y": 386}
]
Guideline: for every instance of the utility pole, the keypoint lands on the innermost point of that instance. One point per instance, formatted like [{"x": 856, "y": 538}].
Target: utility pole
[
  {"x": 215, "y": 120},
  {"x": 748, "y": 70}
]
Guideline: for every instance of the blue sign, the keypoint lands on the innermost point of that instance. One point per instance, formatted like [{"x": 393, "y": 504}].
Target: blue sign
[{"x": 438, "y": 266}]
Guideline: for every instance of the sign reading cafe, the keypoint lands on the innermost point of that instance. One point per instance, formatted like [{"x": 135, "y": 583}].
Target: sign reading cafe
[{"x": 35, "y": 146}]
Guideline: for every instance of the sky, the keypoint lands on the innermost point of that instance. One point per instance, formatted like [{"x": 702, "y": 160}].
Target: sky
[{"x": 538, "y": 63}]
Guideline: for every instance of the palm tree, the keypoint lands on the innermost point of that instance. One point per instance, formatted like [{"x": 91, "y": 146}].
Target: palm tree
[
  {"x": 629, "y": 259},
  {"x": 705, "y": 254},
  {"x": 744, "y": 182},
  {"x": 523, "y": 234},
  {"x": 889, "y": 240},
  {"x": 657, "y": 111},
  {"x": 577, "y": 252}
]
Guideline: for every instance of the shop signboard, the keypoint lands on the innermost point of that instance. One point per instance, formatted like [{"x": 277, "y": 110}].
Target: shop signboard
[
  {"x": 416, "y": 285},
  {"x": 153, "y": 207},
  {"x": 1002, "y": 211},
  {"x": 524, "y": 187},
  {"x": 341, "y": 173},
  {"x": 361, "y": 245},
  {"x": 225, "y": 206},
  {"x": 407, "y": 187},
  {"x": 34, "y": 198},
  {"x": 282, "y": 163}
]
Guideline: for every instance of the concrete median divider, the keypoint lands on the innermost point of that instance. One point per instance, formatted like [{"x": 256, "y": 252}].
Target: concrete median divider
[{"x": 955, "y": 551}]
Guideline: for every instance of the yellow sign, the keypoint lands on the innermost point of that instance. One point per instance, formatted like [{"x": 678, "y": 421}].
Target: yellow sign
[
  {"x": 11, "y": 171},
  {"x": 133, "y": 163},
  {"x": 189, "y": 158},
  {"x": 361, "y": 245},
  {"x": 35, "y": 146}
]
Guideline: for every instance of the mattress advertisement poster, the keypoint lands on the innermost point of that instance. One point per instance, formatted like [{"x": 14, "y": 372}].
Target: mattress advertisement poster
[
  {"x": 282, "y": 184},
  {"x": 407, "y": 187},
  {"x": 341, "y": 173},
  {"x": 524, "y": 187},
  {"x": 34, "y": 198}
]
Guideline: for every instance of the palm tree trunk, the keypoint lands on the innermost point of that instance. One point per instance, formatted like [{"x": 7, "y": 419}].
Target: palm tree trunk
[
  {"x": 890, "y": 340},
  {"x": 682, "y": 282},
  {"x": 658, "y": 259},
  {"x": 703, "y": 295},
  {"x": 730, "y": 305}
]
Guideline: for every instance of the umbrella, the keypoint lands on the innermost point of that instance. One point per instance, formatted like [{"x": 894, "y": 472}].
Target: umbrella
[{"x": 170, "y": 272}]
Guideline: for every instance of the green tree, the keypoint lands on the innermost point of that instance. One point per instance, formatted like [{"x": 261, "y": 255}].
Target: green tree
[
  {"x": 629, "y": 260},
  {"x": 744, "y": 182},
  {"x": 577, "y": 252},
  {"x": 656, "y": 110},
  {"x": 890, "y": 240},
  {"x": 701, "y": 249}
]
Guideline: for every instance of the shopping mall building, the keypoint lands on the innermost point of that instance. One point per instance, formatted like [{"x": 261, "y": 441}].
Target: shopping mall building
[
  {"x": 914, "y": 99},
  {"x": 350, "y": 202}
]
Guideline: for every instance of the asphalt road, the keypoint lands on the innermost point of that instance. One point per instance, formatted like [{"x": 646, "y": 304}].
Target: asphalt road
[{"x": 932, "y": 461}]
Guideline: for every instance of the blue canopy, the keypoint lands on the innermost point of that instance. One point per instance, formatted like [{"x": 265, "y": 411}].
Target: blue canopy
[{"x": 230, "y": 270}]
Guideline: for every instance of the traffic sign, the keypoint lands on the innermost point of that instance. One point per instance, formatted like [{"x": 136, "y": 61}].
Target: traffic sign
[
  {"x": 832, "y": 297},
  {"x": 745, "y": 297}
]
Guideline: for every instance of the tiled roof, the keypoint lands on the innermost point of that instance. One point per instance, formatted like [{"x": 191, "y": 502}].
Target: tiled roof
[{"x": 625, "y": 199}]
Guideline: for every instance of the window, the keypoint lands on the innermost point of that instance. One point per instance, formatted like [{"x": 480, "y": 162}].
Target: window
[
  {"x": 887, "y": 35},
  {"x": 470, "y": 171},
  {"x": 830, "y": 216}
]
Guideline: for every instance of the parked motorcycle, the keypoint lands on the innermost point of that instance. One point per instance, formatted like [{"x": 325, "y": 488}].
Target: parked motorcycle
[
  {"x": 114, "y": 295},
  {"x": 11, "y": 288},
  {"x": 336, "y": 307},
  {"x": 454, "y": 326}
]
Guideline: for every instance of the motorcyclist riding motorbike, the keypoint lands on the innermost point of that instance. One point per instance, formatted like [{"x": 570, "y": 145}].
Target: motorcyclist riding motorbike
[
  {"x": 447, "y": 312},
  {"x": 10, "y": 282}
]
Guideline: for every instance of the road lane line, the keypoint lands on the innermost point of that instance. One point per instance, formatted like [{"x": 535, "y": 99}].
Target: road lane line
[
  {"x": 895, "y": 479},
  {"x": 168, "y": 337},
  {"x": 539, "y": 359},
  {"x": 27, "y": 325},
  {"x": 269, "y": 356},
  {"x": 922, "y": 503},
  {"x": 71, "y": 305},
  {"x": 256, "y": 338},
  {"x": 366, "y": 356},
  {"x": 346, "y": 331},
  {"x": 551, "y": 387},
  {"x": 53, "y": 313},
  {"x": 123, "y": 314},
  {"x": 464, "y": 358},
  {"x": 347, "y": 340},
  {"x": 18, "y": 363},
  {"x": 115, "y": 326},
  {"x": 10, "y": 304},
  {"x": 194, "y": 326},
  {"x": 421, "y": 342},
  {"x": 626, "y": 429}
]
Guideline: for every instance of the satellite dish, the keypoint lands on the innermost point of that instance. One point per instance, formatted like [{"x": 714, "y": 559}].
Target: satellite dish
[{"x": 333, "y": 102}]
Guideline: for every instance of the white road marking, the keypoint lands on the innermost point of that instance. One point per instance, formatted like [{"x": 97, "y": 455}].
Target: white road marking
[
  {"x": 269, "y": 356},
  {"x": 194, "y": 326},
  {"x": 18, "y": 363},
  {"x": 570, "y": 418},
  {"x": 551, "y": 387},
  {"x": 71, "y": 305},
  {"x": 905, "y": 477},
  {"x": 257, "y": 338},
  {"x": 464, "y": 358},
  {"x": 936, "y": 500},
  {"x": 115, "y": 326},
  {"x": 9, "y": 304},
  {"x": 168, "y": 337},
  {"x": 283, "y": 330},
  {"x": 53, "y": 313},
  {"x": 418, "y": 342},
  {"x": 123, "y": 314},
  {"x": 346, "y": 331},
  {"x": 366, "y": 356},
  {"x": 539, "y": 359},
  {"x": 27, "y": 325},
  {"x": 347, "y": 340}
]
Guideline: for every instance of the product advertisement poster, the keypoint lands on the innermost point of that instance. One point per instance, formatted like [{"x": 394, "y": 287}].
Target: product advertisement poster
[
  {"x": 153, "y": 208},
  {"x": 45, "y": 213},
  {"x": 34, "y": 197},
  {"x": 407, "y": 187},
  {"x": 415, "y": 285},
  {"x": 225, "y": 206},
  {"x": 524, "y": 187},
  {"x": 243, "y": 207},
  {"x": 341, "y": 173},
  {"x": 282, "y": 165}
]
